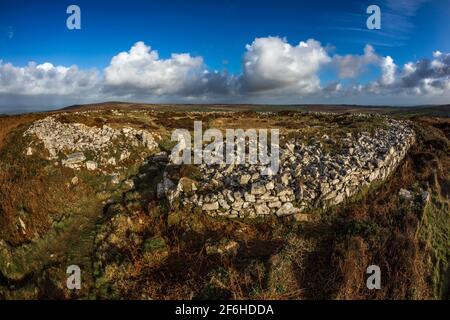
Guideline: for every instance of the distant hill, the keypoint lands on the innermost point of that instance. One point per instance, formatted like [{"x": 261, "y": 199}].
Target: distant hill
[{"x": 432, "y": 110}]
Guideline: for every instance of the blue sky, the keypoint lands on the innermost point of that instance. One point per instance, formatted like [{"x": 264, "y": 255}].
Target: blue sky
[{"x": 218, "y": 32}]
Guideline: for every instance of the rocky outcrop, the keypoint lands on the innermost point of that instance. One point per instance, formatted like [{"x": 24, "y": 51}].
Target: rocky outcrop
[{"x": 71, "y": 142}]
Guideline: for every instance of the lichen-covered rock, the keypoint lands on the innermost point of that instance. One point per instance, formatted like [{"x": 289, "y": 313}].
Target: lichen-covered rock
[
  {"x": 262, "y": 209},
  {"x": 210, "y": 206},
  {"x": 287, "y": 209}
]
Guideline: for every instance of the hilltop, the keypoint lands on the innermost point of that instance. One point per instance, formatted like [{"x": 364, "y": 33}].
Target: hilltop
[{"x": 93, "y": 186}]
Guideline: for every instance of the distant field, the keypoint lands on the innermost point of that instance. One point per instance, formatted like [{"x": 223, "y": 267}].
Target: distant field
[{"x": 437, "y": 111}]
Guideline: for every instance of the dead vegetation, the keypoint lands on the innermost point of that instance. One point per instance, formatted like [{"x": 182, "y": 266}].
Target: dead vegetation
[
  {"x": 138, "y": 248},
  {"x": 393, "y": 239},
  {"x": 323, "y": 259}
]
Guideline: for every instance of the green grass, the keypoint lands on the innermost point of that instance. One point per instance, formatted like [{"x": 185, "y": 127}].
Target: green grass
[
  {"x": 166, "y": 144},
  {"x": 154, "y": 243},
  {"x": 435, "y": 231}
]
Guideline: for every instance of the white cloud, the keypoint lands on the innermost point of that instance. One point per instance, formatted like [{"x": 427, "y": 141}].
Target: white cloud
[
  {"x": 427, "y": 76},
  {"x": 424, "y": 81},
  {"x": 141, "y": 69},
  {"x": 273, "y": 64},
  {"x": 141, "y": 72},
  {"x": 437, "y": 54},
  {"x": 274, "y": 71},
  {"x": 352, "y": 66},
  {"x": 408, "y": 68},
  {"x": 388, "y": 68},
  {"x": 45, "y": 79}
]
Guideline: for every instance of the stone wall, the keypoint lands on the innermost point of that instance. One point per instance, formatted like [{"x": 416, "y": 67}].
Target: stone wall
[{"x": 308, "y": 176}]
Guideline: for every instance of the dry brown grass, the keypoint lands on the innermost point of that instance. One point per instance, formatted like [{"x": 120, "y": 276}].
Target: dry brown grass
[
  {"x": 325, "y": 258},
  {"x": 29, "y": 190},
  {"x": 394, "y": 245},
  {"x": 274, "y": 261},
  {"x": 7, "y": 123}
]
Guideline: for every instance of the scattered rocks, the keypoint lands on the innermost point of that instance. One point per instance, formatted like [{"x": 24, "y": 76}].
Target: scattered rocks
[
  {"x": 111, "y": 161},
  {"x": 419, "y": 197},
  {"x": 308, "y": 175},
  {"x": 74, "y": 140}
]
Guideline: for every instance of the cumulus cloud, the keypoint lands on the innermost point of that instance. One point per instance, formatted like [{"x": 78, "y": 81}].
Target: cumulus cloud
[
  {"x": 273, "y": 64},
  {"x": 351, "y": 66},
  {"x": 45, "y": 86},
  {"x": 427, "y": 76},
  {"x": 41, "y": 79},
  {"x": 388, "y": 68},
  {"x": 273, "y": 71},
  {"x": 141, "y": 69},
  {"x": 437, "y": 54},
  {"x": 423, "y": 81},
  {"x": 141, "y": 72}
]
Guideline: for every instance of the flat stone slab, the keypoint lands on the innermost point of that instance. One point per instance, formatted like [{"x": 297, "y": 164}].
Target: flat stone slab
[{"x": 74, "y": 158}]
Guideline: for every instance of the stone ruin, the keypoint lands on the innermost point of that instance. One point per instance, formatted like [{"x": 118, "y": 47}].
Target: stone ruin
[
  {"x": 308, "y": 177},
  {"x": 72, "y": 141}
]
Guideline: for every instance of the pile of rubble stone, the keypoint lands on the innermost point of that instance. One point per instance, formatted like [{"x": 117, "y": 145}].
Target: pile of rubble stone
[
  {"x": 71, "y": 142},
  {"x": 308, "y": 177}
]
